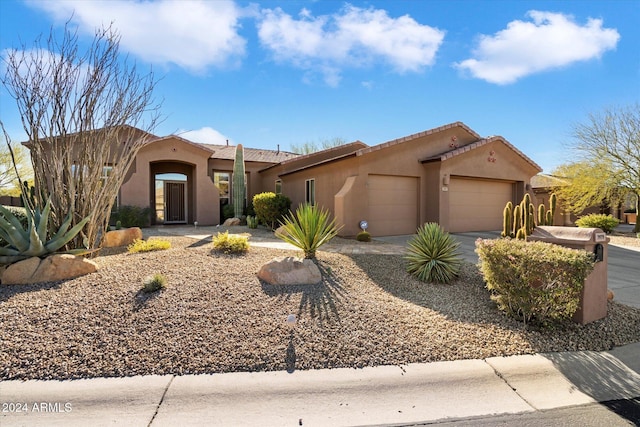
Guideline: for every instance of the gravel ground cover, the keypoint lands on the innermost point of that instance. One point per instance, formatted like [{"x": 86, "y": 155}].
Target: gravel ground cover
[{"x": 216, "y": 316}]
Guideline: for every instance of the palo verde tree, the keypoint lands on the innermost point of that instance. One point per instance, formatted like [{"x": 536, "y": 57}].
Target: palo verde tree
[
  {"x": 10, "y": 185},
  {"x": 86, "y": 115},
  {"x": 610, "y": 140}
]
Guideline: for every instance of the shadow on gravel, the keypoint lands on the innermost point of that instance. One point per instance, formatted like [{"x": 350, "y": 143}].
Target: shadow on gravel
[
  {"x": 201, "y": 242},
  {"x": 319, "y": 301},
  {"x": 8, "y": 291},
  {"x": 142, "y": 298}
]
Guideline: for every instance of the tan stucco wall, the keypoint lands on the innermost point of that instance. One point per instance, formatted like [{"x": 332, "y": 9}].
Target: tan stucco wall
[
  {"x": 138, "y": 188},
  {"x": 342, "y": 185}
]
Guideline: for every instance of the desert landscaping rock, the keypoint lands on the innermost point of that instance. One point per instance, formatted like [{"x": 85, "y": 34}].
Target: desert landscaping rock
[
  {"x": 217, "y": 316},
  {"x": 290, "y": 271},
  {"x": 50, "y": 269},
  {"x": 124, "y": 237},
  {"x": 231, "y": 222}
]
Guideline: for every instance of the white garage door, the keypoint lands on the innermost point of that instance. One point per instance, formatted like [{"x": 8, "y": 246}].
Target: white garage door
[
  {"x": 477, "y": 205},
  {"x": 393, "y": 205}
]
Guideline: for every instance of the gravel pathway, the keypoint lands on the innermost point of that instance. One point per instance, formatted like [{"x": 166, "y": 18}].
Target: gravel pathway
[{"x": 216, "y": 316}]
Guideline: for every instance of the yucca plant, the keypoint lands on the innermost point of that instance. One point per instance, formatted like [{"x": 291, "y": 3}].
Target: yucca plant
[
  {"x": 308, "y": 229},
  {"x": 31, "y": 241},
  {"x": 433, "y": 255}
]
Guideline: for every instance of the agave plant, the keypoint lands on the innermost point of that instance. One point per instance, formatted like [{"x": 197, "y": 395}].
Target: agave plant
[
  {"x": 433, "y": 255},
  {"x": 308, "y": 229},
  {"x": 32, "y": 241}
]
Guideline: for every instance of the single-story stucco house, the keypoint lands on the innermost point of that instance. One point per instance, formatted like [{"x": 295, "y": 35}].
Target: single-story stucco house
[{"x": 449, "y": 175}]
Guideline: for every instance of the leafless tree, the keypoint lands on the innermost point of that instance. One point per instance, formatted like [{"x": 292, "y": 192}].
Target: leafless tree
[{"x": 86, "y": 116}]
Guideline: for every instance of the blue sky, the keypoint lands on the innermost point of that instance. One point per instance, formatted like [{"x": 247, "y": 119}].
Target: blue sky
[{"x": 280, "y": 72}]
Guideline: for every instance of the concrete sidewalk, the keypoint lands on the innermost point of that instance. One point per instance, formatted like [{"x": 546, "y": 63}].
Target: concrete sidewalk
[{"x": 416, "y": 393}]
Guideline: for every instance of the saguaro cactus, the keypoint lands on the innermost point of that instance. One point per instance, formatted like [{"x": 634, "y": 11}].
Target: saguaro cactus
[{"x": 238, "y": 191}]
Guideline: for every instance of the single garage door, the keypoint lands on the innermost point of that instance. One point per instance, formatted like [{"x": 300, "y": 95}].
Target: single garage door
[
  {"x": 477, "y": 205},
  {"x": 393, "y": 205}
]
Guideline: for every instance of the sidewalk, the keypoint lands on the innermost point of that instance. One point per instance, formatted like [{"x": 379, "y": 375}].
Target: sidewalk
[{"x": 416, "y": 393}]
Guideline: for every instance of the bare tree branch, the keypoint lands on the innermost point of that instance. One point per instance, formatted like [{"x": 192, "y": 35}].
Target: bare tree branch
[{"x": 84, "y": 113}]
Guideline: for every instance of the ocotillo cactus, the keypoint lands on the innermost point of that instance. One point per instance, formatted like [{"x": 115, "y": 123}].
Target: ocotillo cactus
[{"x": 238, "y": 183}]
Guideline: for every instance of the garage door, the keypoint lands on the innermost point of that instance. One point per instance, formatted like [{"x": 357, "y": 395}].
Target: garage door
[
  {"x": 393, "y": 205},
  {"x": 477, "y": 205}
]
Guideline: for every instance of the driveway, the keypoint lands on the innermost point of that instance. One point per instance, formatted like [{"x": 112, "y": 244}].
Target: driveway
[{"x": 623, "y": 273}]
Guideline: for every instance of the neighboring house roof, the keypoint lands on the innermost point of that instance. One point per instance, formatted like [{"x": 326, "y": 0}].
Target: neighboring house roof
[
  {"x": 228, "y": 152},
  {"x": 419, "y": 135},
  {"x": 321, "y": 157},
  {"x": 547, "y": 181},
  {"x": 458, "y": 151}
]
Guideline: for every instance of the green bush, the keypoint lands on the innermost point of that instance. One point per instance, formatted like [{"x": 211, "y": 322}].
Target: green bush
[
  {"x": 363, "y": 236},
  {"x": 270, "y": 208},
  {"x": 154, "y": 283},
  {"x": 227, "y": 211},
  {"x": 139, "y": 245},
  {"x": 231, "y": 243},
  {"x": 604, "y": 222},
  {"x": 534, "y": 280},
  {"x": 433, "y": 255},
  {"x": 308, "y": 229},
  {"x": 131, "y": 216}
]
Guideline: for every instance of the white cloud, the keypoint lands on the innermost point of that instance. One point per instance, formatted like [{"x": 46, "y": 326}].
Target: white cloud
[
  {"x": 551, "y": 40},
  {"x": 354, "y": 37},
  {"x": 205, "y": 135},
  {"x": 192, "y": 34}
]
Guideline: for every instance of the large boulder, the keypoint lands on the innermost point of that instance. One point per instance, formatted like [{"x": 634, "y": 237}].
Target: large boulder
[
  {"x": 290, "y": 271},
  {"x": 123, "y": 237},
  {"x": 52, "y": 268},
  {"x": 230, "y": 222},
  {"x": 20, "y": 273}
]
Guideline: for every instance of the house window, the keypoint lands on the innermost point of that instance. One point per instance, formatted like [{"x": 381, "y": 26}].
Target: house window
[
  {"x": 310, "y": 191},
  {"x": 222, "y": 180},
  {"x": 278, "y": 186}
]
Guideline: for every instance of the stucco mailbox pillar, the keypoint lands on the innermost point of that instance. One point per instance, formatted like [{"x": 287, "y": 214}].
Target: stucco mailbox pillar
[{"x": 593, "y": 299}]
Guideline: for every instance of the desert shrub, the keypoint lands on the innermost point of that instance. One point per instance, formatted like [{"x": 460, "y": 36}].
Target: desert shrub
[
  {"x": 140, "y": 245},
  {"x": 154, "y": 283},
  {"x": 604, "y": 222},
  {"x": 308, "y": 229},
  {"x": 433, "y": 255},
  {"x": 270, "y": 208},
  {"x": 231, "y": 243},
  {"x": 534, "y": 280},
  {"x": 227, "y": 211},
  {"x": 363, "y": 236},
  {"x": 131, "y": 216}
]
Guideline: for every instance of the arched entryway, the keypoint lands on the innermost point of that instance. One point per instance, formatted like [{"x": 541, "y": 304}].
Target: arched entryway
[{"x": 172, "y": 192}]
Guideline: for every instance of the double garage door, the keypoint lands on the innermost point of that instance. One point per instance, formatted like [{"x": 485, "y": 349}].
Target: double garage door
[
  {"x": 474, "y": 204},
  {"x": 477, "y": 205}
]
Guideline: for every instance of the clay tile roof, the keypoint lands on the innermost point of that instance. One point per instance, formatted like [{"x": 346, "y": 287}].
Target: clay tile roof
[
  {"x": 228, "y": 152},
  {"x": 545, "y": 181}
]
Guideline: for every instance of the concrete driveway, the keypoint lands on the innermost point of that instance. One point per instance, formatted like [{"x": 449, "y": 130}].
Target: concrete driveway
[{"x": 623, "y": 268}]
